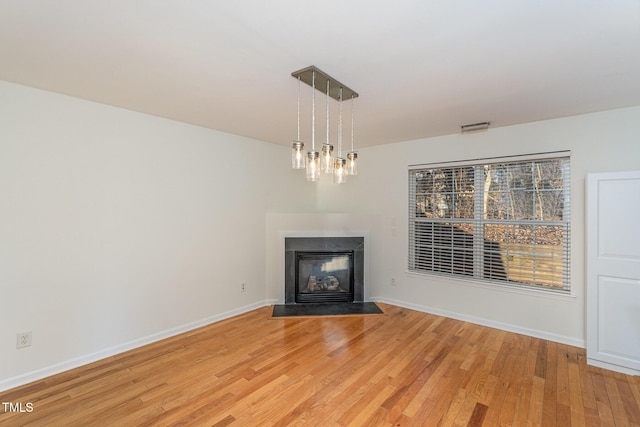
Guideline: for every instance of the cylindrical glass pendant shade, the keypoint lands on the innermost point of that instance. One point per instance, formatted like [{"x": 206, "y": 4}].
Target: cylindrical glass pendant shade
[
  {"x": 340, "y": 171},
  {"x": 352, "y": 163},
  {"x": 297, "y": 155},
  {"x": 326, "y": 161},
  {"x": 313, "y": 166}
]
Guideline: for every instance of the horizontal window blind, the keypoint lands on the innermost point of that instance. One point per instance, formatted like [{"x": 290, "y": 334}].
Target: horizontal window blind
[{"x": 503, "y": 222}]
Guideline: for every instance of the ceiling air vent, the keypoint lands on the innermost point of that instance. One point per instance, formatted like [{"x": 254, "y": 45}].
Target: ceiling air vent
[{"x": 474, "y": 127}]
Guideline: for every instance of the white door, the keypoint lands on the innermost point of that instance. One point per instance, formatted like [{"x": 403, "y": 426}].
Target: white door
[{"x": 613, "y": 271}]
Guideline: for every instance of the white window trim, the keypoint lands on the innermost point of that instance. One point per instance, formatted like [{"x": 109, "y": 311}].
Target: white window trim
[{"x": 490, "y": 160}]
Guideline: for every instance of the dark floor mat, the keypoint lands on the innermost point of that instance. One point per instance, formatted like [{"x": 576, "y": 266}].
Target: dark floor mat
[{"x": 325, "y": 309}]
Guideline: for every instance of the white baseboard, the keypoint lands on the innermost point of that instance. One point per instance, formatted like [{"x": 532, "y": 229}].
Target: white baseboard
[
  {"x": 57, "y": 368},
  {"x": 612, "y": 367},
  {"x": 486, "y": 322}
]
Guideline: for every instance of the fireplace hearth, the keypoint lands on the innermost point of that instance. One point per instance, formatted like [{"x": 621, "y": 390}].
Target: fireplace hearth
[{"x": 324, "y": 269}]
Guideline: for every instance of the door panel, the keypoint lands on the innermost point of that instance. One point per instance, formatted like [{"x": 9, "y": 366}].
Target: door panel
[
  {"x": 618, "y": 317},
  {"x": 613, "y": 271}
]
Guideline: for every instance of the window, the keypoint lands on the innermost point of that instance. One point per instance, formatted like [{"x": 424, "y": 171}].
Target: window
[{"x": 495, "y": 220}]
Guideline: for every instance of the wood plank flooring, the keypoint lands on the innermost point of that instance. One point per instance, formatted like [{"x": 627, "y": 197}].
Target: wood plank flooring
[{"x": 402, "y": 368}]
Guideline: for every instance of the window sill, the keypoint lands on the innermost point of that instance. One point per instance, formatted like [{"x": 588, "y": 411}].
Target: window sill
[{"x": 540, "y": 293}]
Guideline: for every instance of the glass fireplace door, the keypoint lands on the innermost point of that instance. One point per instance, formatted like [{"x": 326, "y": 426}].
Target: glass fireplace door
[{"x": 324, "y": 276}]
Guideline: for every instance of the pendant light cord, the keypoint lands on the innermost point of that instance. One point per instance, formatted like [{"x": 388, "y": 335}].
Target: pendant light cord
[
  {"x": 340, "y": 124},
  {"x": 298, "y": 109},
  {"x": 352, "y": 150},
  {"x": 313, "y": 112},
  {"x": 327, "y": 111}
]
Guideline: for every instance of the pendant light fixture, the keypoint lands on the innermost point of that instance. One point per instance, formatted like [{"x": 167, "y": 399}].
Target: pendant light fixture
[
  {"x": 352, "y": 156},
  {"x": 313, "y": 157},
  {"x": 297, "y": 148},
  {"x": 340, "y": 168},
  {"x": 325, "y": 161}
]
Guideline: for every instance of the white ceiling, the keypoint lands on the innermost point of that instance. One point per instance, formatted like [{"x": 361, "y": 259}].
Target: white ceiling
[{"x": 422, "y": 67}]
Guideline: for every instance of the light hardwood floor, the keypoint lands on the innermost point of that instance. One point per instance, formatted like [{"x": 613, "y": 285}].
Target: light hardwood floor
[{"x": 402, "y": 368}]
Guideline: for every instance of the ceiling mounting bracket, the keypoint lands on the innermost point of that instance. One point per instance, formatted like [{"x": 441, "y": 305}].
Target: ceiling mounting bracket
[{"x": 306, "y": 76}]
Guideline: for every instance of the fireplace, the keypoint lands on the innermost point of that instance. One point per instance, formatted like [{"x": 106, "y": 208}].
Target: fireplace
[
  {"x": 324, "y": 269},
  {"x": 324, "y": 276}
]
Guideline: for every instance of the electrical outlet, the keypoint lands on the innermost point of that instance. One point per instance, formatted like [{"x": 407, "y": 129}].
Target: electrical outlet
[
  {"x": 23, "y": 339},
  {"x": 243, "y": 287},
  {"x": 393, "y": 281}
]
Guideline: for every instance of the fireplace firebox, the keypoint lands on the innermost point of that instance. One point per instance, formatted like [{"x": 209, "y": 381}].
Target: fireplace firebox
[
  {"x": 324, "y": 269},
  {"x": 324, "y": 276}
]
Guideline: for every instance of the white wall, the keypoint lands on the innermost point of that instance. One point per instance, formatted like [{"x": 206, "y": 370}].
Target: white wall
[
  {"x": 117, "y": 228},
  {"x": 607, "y": 141}
]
